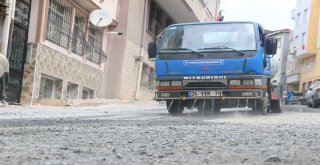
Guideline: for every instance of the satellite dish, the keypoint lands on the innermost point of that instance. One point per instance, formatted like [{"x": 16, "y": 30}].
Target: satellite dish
[{"x": 100, "y": 18}]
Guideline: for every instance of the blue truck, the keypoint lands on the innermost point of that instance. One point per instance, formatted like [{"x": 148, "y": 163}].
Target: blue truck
[{"x": 210, "y": 66}]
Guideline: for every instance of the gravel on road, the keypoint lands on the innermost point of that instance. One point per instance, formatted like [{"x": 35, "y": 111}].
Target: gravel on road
[{"x": 143, "y": 133}]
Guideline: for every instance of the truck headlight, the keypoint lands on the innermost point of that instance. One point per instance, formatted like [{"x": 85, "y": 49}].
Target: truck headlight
[
  {"x": 257, "y": 81},
  {"x": 235, "y": 82},
  {"x": 248, "y": 82},
  {"x": 164, "y": 83},
  {"x": 176, "y": 83}
]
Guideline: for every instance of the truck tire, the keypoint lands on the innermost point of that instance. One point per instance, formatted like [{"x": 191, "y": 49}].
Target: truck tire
[
  {"x": 314, "y": 104},
  {"x": 276, "y": 106},
  {"x": 175, "y": 107},
  {"x": 260, "y": 107}
]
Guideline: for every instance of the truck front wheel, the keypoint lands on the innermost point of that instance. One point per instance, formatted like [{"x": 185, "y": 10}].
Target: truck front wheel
[{"x": 175, "y": 107}]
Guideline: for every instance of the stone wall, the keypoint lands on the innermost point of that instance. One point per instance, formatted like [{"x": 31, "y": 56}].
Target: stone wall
[
  {"x": 50, "y": 62},
  {"x": 130, "y": 72}
]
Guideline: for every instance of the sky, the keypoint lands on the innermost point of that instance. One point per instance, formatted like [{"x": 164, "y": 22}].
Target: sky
[{"x": 271, "y": 14}]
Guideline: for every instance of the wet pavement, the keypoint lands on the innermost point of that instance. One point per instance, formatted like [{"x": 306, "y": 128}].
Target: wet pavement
[{"x": 145, "y": 134}]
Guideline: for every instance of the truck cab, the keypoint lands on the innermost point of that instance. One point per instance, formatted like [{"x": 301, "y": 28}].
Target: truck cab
[{"x": 210, "y": 66}]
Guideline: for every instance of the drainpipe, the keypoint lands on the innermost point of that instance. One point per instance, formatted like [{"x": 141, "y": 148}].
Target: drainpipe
[{"x": 143, "y": 34}]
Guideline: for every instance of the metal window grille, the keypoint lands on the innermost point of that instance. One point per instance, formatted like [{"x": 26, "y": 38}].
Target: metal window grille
[
  {"x": 59, "y": 28},
  {"x": 78, "y": 37},
  {"x": 59, "y": 22},
  {"x": 94, "y": 49},
  {"x": 21, "y": 12}
]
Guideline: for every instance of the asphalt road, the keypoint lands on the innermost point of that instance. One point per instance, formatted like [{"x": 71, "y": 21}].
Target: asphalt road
[{"x": 151, "y": 136}]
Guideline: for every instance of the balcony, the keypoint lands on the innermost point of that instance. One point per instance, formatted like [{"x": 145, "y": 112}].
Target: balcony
[
  {"x": 294, "y": 78},
  {"x": 182, "y": 10},
  {"x": 304, "y": 51}
]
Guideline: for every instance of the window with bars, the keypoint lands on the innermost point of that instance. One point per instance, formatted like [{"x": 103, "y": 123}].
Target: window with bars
[
  {"x": 78, "y": 36},
  {"x": 94, "y": 45},
  {"x": 59, "y": 23},
  {"x": 84, "y": 41}
]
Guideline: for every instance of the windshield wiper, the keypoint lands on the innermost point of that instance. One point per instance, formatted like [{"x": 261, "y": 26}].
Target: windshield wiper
[
  {"x": 193, "y": 51},
  {"x": 223, "y": 47}
]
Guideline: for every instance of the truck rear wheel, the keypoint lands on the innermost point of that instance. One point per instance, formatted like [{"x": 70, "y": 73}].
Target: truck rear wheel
[
  {"x": 175, "y": 107},
  {"x": 276, "y": 106}
]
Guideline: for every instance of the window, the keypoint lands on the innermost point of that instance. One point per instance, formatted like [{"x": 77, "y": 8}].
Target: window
[
  {"x": 239, "y": 36},
  {"x": 296, "y": 41},
  {"x": 158, "y": 19},
  {"x": 72, "y": 91},
  {"x": 84, "y": 41},
  {"x": 298, "y": 19},
  {"x": 302, "y": 40},
  {"x": 59, "y": 22},
  {"x": 305, "y": 13},
  {"x": 147, "y": 77},
  {"x": 50, "y": 88},
  {"x": 309, "y": 64},
  {"x": 87, "y": 93},
  {"x": 304, "y": 87},
  {"x": 95, "y": 54},
  {"x": 79, "y": 35}
]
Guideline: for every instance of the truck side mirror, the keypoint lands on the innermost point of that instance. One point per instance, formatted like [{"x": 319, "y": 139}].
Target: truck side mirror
[
  {"x": 271, "y": 46},
  {"x": 152, "y": 51}
]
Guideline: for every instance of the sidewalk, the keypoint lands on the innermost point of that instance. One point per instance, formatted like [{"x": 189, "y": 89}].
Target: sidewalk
[{"x": 40, "y": 111}]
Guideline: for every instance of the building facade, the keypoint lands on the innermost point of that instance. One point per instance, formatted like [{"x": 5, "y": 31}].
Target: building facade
[
  {"x": 55, "y": 52},
  {"x": 305, "y": 49},
  {"x": 130, "y": 75}
]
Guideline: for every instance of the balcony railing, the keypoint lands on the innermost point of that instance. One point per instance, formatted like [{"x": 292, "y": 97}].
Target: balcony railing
[{"x": 59, "y": 28}]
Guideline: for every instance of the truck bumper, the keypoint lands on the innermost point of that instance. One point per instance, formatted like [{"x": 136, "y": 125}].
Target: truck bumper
[{"x": 227, "y": 94}]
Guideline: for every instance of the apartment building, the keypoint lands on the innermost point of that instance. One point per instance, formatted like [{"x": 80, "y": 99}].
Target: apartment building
[
  {"x": 279, "y": 60},
  {"x": 305, "y": 36},
  {"x": 130, "y": 75},
  {"x": 55, "y": 53}
]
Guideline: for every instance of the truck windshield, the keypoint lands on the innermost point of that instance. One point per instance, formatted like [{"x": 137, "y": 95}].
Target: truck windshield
[{"x": 202, "y": 37}]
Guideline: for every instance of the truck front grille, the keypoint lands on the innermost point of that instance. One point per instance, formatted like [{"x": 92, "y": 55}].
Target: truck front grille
[{"x": 205, "y": 85}]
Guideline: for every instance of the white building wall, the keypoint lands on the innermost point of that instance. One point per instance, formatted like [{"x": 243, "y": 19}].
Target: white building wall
[{"x": 301, "y": 26}]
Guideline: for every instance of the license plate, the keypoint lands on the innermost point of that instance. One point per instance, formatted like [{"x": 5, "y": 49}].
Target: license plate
[{"x": 205, "y": 93}]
